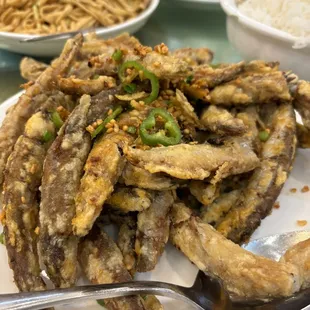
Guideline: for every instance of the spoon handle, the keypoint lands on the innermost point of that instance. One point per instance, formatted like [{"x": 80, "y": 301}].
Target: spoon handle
[{"x": 49, "y": 298}]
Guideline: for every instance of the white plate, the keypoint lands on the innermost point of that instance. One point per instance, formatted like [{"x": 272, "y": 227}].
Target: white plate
[
  {"x": 12, "y": 41},
  {"x": 173, "y": 266}
]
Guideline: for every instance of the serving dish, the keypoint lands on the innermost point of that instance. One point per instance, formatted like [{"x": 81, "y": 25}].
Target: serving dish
[
  {"x": 13, "y": 41},
  {"x": 173, "y": 266},
  {"x": 255, "y": 40}
]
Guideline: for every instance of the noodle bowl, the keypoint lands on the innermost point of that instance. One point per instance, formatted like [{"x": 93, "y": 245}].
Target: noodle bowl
[{"x": 56, "y": 16}]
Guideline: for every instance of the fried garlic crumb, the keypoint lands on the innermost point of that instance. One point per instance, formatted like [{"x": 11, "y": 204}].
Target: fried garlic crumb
[
  {"x": 90, "y": 129},
  {"x": 302, "y": 223},
  {"x": 37, "y": 230},
  {"x": 293, "y": 190},
  {"x": 276, "y": 205},
  {"x": 161, "y": 49},
  {"x": 305, "y": 189}
]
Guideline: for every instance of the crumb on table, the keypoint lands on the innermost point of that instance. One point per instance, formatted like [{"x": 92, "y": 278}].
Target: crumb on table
[
  {"x": 302, "y": 223},
  {"x": 277, "y": 205},
  {"x": 293, "y": 190},
  {"x": 305, "y": 189}
]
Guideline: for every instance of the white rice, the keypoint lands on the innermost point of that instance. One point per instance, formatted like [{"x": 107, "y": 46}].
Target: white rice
[{"x": 291, "y": 16}]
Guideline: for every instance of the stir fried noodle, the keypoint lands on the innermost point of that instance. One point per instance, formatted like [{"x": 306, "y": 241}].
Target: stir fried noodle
[{"x": 52, "y": 16}]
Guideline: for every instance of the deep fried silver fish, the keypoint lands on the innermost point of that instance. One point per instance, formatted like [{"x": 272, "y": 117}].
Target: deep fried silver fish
[
  {"x": 256, "y": 88},
  {"x": 31, "y": 69},
  {"x": 22, "y": 179},
  {"x": 128, "y": 199},
  {"x": 102, "y": 262},
  {"x": 185, "y": 161},
  {"x": 205, "y": 193},
  {"x": 214, "y": 212},
  {"x": 63, "y": 169},
  {"x": 302, "y": 102},
  {"x": 221, "y": 121},
  {"x": 267, "y": 181},
  {"x": 241, "y": 272},
  {"x": 103, "y": 167},
  {"x": 153, "y": 231},
  {"x": 194, "y": 56},
  {"x": 126, "y": 241},
  {"x": 14, "y": 122},
  {"x": 139, "y": 177}
]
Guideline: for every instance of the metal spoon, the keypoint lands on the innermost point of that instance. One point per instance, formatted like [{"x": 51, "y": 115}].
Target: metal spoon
[{"x": 205, "y": 294}]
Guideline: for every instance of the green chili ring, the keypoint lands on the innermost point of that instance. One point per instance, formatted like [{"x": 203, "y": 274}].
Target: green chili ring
[
  {"x": 147, "y": 75},
  {"x": 171, "y": 127}
]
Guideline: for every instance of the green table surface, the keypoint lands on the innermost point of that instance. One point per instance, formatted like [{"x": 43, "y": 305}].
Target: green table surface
[{"x": 172, "y": 23}]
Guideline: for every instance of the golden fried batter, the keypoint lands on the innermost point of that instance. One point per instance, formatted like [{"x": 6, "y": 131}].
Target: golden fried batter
[
  {"x": 242, "y": 272},
  {"x": 256, "y": 88},
  {"x": 185, "y": 161},
  {"x": 103, "y": 167}
]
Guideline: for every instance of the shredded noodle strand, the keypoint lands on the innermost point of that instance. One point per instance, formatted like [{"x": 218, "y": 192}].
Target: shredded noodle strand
[{"x": 56, "y": 16}]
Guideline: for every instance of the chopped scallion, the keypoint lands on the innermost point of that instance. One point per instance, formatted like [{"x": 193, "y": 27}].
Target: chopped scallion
[
  {"x": 2, "y": 238},
  {"x": 189, "y": 79},
  {"x": 132, "y": 129},
  {"x": 47, "y": 136},
  {"x": 117, "y": 55},
  {"x": 56, "y": 119},
  {"x": 263, "y": 135}
]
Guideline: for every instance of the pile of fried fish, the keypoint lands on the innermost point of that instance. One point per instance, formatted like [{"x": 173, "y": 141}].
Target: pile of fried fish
[{"x": 162, "y": 144}]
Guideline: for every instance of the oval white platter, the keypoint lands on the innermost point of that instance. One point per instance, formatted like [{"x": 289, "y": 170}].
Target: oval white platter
[{"x": 173, "y": 267}]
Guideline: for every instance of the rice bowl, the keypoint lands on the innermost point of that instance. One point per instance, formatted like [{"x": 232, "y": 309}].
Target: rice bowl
[{"x": 255, "y": 40}]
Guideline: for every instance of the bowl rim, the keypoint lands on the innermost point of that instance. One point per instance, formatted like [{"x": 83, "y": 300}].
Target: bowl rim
[
  {"x": 230, "y": 8},
  {"x": 100, "y": 30}
]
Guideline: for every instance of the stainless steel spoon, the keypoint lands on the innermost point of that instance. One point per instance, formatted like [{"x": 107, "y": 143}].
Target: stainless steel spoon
[{"x": 205, "y": 294}]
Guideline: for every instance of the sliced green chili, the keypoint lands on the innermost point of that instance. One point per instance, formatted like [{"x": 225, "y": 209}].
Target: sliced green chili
[
  {"x": 189, "y": 79},
  {"x": 146, "y": 74},
  {"x": 171, "y": 127},
  {"x": 101, "y": 128},
  {"x": 56, "y": 119},
  {"x": 130, "y": 88},
  {"x": 117, "y": 55},
  {"x": 132, "y": 129},
  {"x": 101, "y": 302},
  {"x": 47, "y": 136},
  {"x": 263, "y": 135},
  {"x": 2, "y": 238}
]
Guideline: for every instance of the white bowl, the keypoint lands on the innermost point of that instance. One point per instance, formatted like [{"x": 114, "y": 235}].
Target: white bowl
[
  {"x": 12, "y": 41},
  {"x": 255, "y": 40}
]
